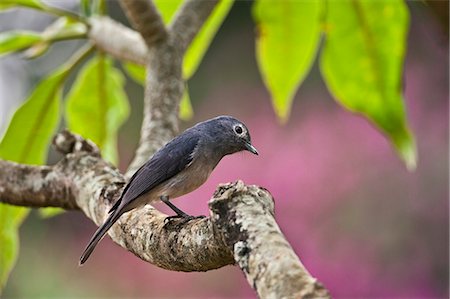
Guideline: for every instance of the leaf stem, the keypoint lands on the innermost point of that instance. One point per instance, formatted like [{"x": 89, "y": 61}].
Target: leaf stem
[{"x": 65, "y": 13}]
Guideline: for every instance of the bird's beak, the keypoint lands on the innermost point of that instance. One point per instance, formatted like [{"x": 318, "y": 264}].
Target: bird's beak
[{"x": 251, "y": 148}]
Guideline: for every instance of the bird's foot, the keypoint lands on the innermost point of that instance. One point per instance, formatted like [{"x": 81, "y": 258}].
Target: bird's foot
[{"x": 181, "y": 219}]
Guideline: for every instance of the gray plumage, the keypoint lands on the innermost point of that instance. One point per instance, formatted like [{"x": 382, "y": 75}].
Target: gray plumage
[{"x": 179, "y": 167}]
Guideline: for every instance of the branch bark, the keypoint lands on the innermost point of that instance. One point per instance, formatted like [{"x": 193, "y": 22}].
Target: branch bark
[
  {"x": 145, "y": 18},
  {"x": 258, "y": 245},
  {"x": 189, "y": 19},
  {"x": 117, "y": 40},
  {"x": 241, "y": 228}
]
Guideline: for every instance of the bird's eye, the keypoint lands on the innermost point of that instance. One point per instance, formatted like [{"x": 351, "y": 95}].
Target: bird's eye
[{"x": 238, "y": 129}]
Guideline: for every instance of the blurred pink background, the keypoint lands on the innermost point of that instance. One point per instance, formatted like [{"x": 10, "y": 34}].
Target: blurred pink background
[{"x": 360, "y": 222}]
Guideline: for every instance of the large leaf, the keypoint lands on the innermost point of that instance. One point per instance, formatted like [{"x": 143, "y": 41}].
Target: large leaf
[
  {"x": 26, "y": 141},
  {"x": 362, "y": 64},
  {"x": 288, "y": 36},
  {"x": 34, "y": 123},
  {"x": 97, "y": 105},
  {"x": 17, "y": 40}
]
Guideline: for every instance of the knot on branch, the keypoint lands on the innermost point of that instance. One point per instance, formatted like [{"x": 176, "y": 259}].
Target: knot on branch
[{"x": 67, "y": 142}]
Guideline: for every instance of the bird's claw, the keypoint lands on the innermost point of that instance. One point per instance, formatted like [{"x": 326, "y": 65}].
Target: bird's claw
[{"x": 181, "y": 219}]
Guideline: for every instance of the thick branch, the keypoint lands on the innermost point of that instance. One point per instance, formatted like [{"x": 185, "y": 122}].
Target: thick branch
[
  {"x": 34, "y": 186},
  {"x": 163, "y": 92},
  {"x": 241, "y": 227},
  {"x": 83, "y": 180},
  {"x": 145, "y": 18},
  {"x": 189, "y": 20},
  {"x": 259, "y": 247},
  {"x": 117, "y": 40}
]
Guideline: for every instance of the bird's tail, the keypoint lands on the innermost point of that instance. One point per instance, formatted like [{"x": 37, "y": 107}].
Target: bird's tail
[{"x": 101, "y": 231}]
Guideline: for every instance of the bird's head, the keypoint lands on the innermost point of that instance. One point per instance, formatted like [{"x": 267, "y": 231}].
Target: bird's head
[{"x": 229, "y": 135}]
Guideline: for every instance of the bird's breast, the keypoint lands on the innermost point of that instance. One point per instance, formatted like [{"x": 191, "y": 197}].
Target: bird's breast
[{"x": 182, "y": 183}]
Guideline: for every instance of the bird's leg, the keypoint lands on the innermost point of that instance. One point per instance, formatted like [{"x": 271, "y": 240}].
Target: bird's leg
[{"x": 180, "y": 213}]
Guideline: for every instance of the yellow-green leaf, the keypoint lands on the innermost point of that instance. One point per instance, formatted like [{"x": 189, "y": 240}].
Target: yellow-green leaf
[
  {"x": 34, "y": 123},
  {"x": 167, "y": 8},
  {"x": 12, "y": 41},
  {"x": 97, "y": 105},
  {"x": 26, "y": 141},
  {"x": 362, "y": 63},
  {"x": 186, "y": 111},
  {"x": 288, "y": 36},
  {"x": 135, "y": 71}
]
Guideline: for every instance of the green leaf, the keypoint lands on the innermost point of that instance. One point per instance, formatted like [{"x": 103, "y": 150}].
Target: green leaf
[
  {"x": 26, "y": 141},
  {"x": 186, "y": 111},
  {"x": 135, "y": 71},
  {"x": 97, "y": 105},
  {"x": 204, "y": 37},
  {"x": 17, "y": 40},
  {"x": 167, "y": 8},
  {"x": 362, "y": 65},
  {"x": 288, "y": 36},
  {"x": 10, "y": 220},
  {"x": 34, "y": 123},
  {"x": 36, "y": 4}
]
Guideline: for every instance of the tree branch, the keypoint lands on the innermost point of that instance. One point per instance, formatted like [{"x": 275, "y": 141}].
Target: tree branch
[
  {"x": 163, "y": 91},
  {"x": 241, "y": 228},
  {"x": 165, "y": 84},
  {"x": 39, "y": 186},
  {"x": 117, "y": 40},
  {"x": 258, "y": 245},
  {"x": 189, "y": 20},
  {"x": 145, "y": 18}
]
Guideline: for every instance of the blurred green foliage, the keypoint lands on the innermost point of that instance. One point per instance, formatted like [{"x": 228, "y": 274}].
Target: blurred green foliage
[
  {"x": 361, "y": 63},
  {"x": 26, "y": 141},
  {"x": 12, "y": 41},
  {"x": 97, "y": 105}
]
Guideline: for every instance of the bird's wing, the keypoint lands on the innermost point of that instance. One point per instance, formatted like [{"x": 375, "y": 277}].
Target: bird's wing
[{"x": 166, "y": 163}]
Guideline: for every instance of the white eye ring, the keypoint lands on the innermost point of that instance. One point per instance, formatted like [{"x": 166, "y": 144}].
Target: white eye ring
[{"x": 239, "y": 130}]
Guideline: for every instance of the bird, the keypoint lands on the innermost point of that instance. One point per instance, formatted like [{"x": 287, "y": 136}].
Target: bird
[{"x": 178, "y": 168}]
